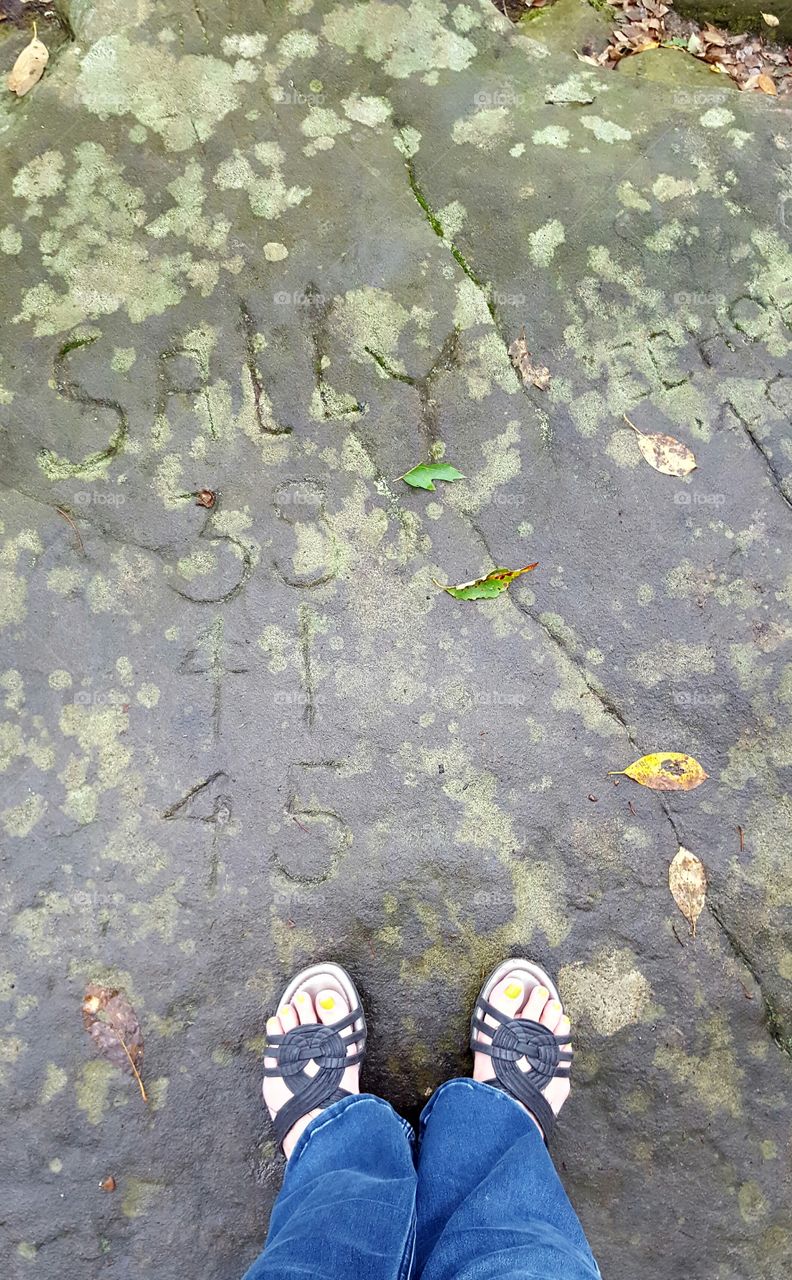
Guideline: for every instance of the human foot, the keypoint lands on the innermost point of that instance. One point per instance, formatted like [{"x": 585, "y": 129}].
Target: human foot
[
  {"x": 319, "y": 1025},
  {"x": 523, "y": 999}
]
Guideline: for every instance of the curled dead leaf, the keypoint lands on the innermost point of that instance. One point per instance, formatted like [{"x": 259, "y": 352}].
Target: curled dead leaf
[
  {"x": 664, "y": 453},
  {"x": 113, "y": 1025},
  {"x": 108, "y": 1183},
  {"x": 770, "y": 19},
  {"x": 767, "y": 84},
  {"x": 205, "y": 498},
  {"x": 687, "y": 881},
  {"x": 28, "y": 68},
  {"x": 665, "y": 771},
  {"x": 522, "y": 361}
]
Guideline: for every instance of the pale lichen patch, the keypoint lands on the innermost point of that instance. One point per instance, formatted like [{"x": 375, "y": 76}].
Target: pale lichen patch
[
  {"x": 605, "y": 130},
  {"x": 609, "y": 993},
  {"x": 713, "y": 1075}
]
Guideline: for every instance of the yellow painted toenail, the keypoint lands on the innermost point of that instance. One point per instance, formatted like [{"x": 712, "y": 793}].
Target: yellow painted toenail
[
  {"x": 284, "y": 1012},
  {"x": 513, "y": 990},
  {"x": 327, "y": 1003},
  {"x": 542, "y": 993}
]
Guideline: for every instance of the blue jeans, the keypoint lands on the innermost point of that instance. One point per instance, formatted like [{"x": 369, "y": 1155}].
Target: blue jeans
[{"x": 481, "y": 1201}]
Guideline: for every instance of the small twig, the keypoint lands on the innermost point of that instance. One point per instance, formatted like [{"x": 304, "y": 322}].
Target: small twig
[
  {"x": 300, "y": 825},
  {"x": 66, "y": 516},
  {"x": 741, "y": 834},
  {"x": 676, "y": 935},
  {"x": 135, "y": 1071}
]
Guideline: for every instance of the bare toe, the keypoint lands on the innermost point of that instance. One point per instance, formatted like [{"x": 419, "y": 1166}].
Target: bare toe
[
  {"x": 535, "y": 1003},
  {"x": 274, "y": 1028},
  {"x": 551, "y": 1015},
  {"x": 304, "y": 1006},
  {"x": 330, "y": 1006},
  {"x": 287, "y": 1016}
]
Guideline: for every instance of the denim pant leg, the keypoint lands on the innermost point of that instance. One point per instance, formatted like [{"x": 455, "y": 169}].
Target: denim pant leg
[
  {"x": 346, "y": 1210},
  {"x": 490, "y": 1204}
]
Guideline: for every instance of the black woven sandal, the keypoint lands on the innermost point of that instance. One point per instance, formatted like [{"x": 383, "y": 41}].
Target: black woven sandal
[
  {"x": 515, "y": 1038},
  {"x": 325, "y": 1044}
]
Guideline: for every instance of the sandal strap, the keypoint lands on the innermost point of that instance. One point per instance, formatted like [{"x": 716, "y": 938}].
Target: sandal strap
[
  {"x": 516, "y": 1038},
  {"x": 323, "y": 1044}
]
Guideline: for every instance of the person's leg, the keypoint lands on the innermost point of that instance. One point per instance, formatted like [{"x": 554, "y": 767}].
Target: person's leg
[
  {"x": 490, "y": 1205},
  {"x": 347, "y": 1205},
  {"x": 346, "y": 1210}
]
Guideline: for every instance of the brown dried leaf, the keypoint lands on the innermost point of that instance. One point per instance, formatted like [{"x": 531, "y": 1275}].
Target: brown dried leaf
[
  {"x": 529, "y": 372},
  {"x": 113, "y": 1025},
  {"x": 28, "y": 68},
  {"x": 687, "y": 881},
  {"x": 205, "y": 498},
  {"x": 767, "y": 84},
  {"x": 108, "y": 1183},
  {"x": 664, "y": 453}
]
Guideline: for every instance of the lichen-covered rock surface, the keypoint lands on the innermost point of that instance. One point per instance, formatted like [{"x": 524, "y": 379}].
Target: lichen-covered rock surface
[{"x": 279, "y": 252}]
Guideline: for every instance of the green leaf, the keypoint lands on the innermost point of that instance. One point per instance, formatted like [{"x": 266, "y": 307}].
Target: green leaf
[
  {"x": 421, "y": 477},
  {"x": 487, "y": 588}
]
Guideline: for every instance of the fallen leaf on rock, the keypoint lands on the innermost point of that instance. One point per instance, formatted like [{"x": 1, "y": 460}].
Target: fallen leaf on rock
[
  {"x": 113, "y": 1025},
  {"x": 529, "y": 372},
  {"x": 29, "y": 67},
  {"x": 664, "y": 453},
  {"x": 205, "y": 498},
  {"x": 665, "y": 771},
  {"x": 770, "y": 19},
  {"x": 767, "y": 84},
  {"x": 486, "y": 588},
  {"x": 687, "y": 881},
  {"x": 424, "y": 475},
  {"x": 108, "y": 1183}
]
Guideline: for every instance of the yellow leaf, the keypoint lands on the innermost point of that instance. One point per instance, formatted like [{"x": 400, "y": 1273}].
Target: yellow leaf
[
  {"x": 687, "y": 881},
  {"x": 767, "y": 84},
  {"x": 28, "y": 68},
  {"x": 665, "y": 771},
  {"x": 664, "y": 453},
  {"x": 770, "y": 19}
]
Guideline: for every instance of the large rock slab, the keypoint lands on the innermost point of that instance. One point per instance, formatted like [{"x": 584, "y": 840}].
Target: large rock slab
[{"x": 280, "y": 252}]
